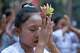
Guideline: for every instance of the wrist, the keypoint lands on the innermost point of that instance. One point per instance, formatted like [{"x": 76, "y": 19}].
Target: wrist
[{"x": 40, "y": 48}]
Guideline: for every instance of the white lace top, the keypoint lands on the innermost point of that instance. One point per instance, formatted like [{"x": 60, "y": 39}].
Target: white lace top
[{"x": 16, "y": 48}]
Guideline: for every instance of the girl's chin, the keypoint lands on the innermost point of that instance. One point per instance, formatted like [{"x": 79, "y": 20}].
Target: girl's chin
[{"x": 35, "y": 44}]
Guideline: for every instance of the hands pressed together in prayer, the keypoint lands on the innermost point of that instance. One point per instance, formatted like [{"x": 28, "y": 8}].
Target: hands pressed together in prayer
[
  {"x": 45, "y": 36},
  {"x": 46, "y": 30}
]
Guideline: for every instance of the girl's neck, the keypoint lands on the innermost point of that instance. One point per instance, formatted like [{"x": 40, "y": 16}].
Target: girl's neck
[{"x": 27, "y": 48}]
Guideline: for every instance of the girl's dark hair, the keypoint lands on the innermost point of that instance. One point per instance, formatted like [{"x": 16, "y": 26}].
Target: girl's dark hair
[
  {"x": 26, "y": 3},
  {"x": 57, "y": 18},
  {"x": 20, "y": 16}
]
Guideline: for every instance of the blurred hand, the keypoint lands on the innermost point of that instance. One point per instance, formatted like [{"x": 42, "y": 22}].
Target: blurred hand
[{"x": 67, "y": 18}]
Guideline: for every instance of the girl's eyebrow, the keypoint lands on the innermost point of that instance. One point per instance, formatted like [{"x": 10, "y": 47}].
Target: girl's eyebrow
[{"x": 35, "y": 26}]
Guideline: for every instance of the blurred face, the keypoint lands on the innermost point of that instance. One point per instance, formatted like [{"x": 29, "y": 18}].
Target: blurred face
[
  {"x": 29, "y": 29},
  {"x": 61, "y": 23},
  {"x": 8, "y": 19}
]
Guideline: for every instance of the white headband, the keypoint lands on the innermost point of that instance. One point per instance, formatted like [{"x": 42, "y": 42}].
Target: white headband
[
  {"x": 27, "y": 5},
  {"x": 36, "y": 17}
]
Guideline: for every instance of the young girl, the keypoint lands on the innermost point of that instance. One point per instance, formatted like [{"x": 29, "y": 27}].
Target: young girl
[{"x": 33, "y": 34}]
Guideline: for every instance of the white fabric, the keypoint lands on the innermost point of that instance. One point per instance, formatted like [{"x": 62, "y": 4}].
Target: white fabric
[
  {"x": 16, "y": 48},
  {"x": 65, "y": 43}
]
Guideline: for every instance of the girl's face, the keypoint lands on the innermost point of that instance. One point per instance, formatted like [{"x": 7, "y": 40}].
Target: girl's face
[{"x": 29, "y": 29}]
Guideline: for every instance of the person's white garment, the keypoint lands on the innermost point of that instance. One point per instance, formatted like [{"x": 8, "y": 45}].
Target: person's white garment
[
  {"x": 16, "y": 48},
  {"x": 66, "y": 43}
]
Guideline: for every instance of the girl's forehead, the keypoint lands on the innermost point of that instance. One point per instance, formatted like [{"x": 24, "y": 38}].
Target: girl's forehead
[{"x": 35, "y": 17}]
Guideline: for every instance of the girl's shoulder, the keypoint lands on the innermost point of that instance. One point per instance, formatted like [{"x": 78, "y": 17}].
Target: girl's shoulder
[{"x": 11, "y": 49}]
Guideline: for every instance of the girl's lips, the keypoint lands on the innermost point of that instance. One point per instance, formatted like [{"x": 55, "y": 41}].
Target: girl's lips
[{"x": 36, "y": 41}]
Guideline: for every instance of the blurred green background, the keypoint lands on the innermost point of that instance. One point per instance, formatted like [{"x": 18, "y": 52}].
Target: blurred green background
[{"x": 70, "y": 7}]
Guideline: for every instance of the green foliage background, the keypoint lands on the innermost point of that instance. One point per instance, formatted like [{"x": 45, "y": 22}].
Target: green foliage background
[{"x": 57, "y": 5}]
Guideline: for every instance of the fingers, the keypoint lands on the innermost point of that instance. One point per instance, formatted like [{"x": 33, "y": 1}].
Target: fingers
[
  {"x": 67, "y": 19},
  {"x": 46, "y": 32},
  {"x": 49, "y": 26},
  {"x": 49, "y": 23},
  {"x": 43, "y": 22}
]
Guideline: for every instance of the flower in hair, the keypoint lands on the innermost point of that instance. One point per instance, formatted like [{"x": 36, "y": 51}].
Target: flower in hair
[{"x": 47, "y": 10}]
